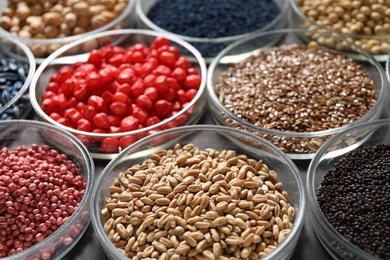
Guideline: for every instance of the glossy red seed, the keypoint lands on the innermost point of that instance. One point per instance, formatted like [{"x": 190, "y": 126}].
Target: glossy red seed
[
  {"x": 148, "y": 67},
  {"x": 81, "y": 92},
  {"x": 93, "y": 81},
  {"x": 65, "y": 72},
  {"x": 161, "y": 83},
  {"x": 126, "y": 76},
  {"x": 72, "y": 115},
  {"x": 137, "y": 57},
  {"x": 137, "y": 88},
  {"x": 162, "y": 108},
  {"x": 126, "y": 141},
  {"x": 86, "y": 140},
  {"x": 71, "y": 102},
  {"x": 48, "y": 94},
  {"x": 100, "y": 120},
  {"x": 169, "y": 95},
  {"x": 48, "y": 106},
  {"x": 95, "y": 57},
  {"x": 106, "y": 75},
  {"x": 159, "y": 41},
  {"x": 168, "y": 58},
  {"x": 138, "y": 47},
  {"x": 116, "y": 59},
  {"x": 118, "y": 108},
  {"x": 121, "y": 97},
  {"x": 98, "y": 103},
  {"x": 181, "y": 96},
  {"x": 180, "y": 74},
  {"x": 119, "y": 49},
  {"x": 83, "y": 70},
  {"x": 55, "y": 116},
  {"x": 64, "y": 122},
  {"x": 192, "y": 81},
  {"x": 149, "y": 80},
  {"x": 162, "y": 70},
  {"x": 107, "y": 52},
  {"x": 152, "y": 121},
  {"x": 109, "y": 145},
  {"x": 84, "y": 125},
  {"x": 183, "y": 62},
  {"x": 144, "y": 102},
  {"x": 129, "y": 123},
  {"x": 88, "y": 112},
  {"x": 53, "y": 86},
  {"x": 114, "y": 120},
  {"x": 190, "y": 94},
  {"x": 108, "y": 97},
  {"x": 59, "y": 103},
  {"x": 127, "y": 58},
  {"x": 140, "y": 114},
  {"x": 124, "y": 88},
  {"x": 151, "y": 93}
]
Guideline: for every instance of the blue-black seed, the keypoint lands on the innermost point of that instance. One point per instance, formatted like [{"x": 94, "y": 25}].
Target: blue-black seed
[
  {"x": 355, "y": 198},
  {"x": 212, "y": 18},
  {"x": 13, "y": 74}
]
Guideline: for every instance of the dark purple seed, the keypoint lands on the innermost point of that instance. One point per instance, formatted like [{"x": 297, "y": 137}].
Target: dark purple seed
[{"x": 355, "y": 198}]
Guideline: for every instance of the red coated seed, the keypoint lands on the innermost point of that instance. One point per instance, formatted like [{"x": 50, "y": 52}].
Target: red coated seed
[
  {"x": 111, "y": 81},
  {"x": 30, "y": 180}
]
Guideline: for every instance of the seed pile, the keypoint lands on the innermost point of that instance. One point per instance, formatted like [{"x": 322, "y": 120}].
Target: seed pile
[
  {"x": 297, "y": 88},
  {"x": 212, "y": 18},
  {"x": 368, "y": 18},
  {"x": 189, "y": 204},
  {"x": 13, "y": 74},
  {"x": 120, "y": 89},
  {"x": 355, "y": 198},
  {"x": 57, "y": 19},
  {"x": 39, "y": 190}
]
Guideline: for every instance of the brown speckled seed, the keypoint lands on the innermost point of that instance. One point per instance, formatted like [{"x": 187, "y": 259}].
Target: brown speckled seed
[{"x": 297, "y": 88}]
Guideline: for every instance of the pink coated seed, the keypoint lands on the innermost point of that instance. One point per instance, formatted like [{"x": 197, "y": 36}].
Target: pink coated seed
[{"x": 33, "y": 183}]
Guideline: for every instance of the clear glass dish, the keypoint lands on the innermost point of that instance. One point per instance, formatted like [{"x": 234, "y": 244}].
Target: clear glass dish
[
  {"x": 355, "y": 137},
  {"x": 381, "y": 42},
  {"x": 42, "y": 48},
  {"x": 143, "y": 22},
  {"x": 124, "y": 38},
  {"x": 388, "y": 68},
  {"x": 27, "y": 132},
  {"x": 203, "y": 137},
  {"x": 14, "y": 49},
  {"x": 303, "y": 144}
]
